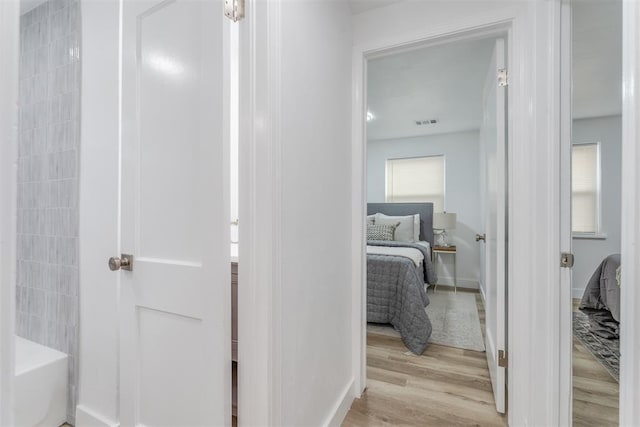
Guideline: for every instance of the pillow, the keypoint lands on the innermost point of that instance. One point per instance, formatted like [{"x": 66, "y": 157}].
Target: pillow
[
  {"x": 407, "y": 231},
  {"x": 381, "y": 232},
  {"x": 371, "y": 219}
]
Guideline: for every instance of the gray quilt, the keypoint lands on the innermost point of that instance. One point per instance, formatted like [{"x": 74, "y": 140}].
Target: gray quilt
[
  {"x": 601, "y": 299},
  {"x": 429, "y": 273},
  {"x": 396, "y": 295}
]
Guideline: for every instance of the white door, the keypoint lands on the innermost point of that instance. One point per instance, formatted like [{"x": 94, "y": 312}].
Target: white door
[
  {"x": 175, "y": 330},
  {"x": 493, "y": 146}
]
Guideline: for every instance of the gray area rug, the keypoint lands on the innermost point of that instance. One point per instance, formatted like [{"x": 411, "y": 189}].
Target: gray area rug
[
  {"x": 454, "y": 318},
  {"x": 606, "y": 351}
]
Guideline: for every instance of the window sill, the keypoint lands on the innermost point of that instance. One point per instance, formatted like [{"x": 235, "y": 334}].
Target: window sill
[{"x": 589, "y": 236}]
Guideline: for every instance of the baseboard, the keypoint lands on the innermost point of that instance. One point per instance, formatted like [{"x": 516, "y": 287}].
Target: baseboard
[
  {"x": 461, "y": 283},
  {"x": 85, "y": 417},
  {"x": 484, "y": 297},
  {"x": 342, "y": 406}
]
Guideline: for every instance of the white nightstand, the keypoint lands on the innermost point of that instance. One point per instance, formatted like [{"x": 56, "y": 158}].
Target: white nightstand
[{"x": 437, "y": 253}]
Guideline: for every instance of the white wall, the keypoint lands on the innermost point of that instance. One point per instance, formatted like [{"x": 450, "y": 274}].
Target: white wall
[
  {"x": 98, "y": 382},
  {"x": 316, "y": 201},
  {"x": 590, "y": 252},
  {"x": 462, "y": 192},
  {"x": 294, "y": 294}
]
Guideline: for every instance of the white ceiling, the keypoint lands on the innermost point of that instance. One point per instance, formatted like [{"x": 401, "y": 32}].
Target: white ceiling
[
  {"x": 446, "y": 82},
  {"x": 443, "y": 82}
]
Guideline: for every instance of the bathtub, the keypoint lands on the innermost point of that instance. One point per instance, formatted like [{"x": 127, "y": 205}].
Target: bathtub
[{"x": 40, "y": 385}]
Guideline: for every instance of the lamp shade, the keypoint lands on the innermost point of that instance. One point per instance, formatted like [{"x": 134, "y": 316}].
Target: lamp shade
[{"x": 444, "y": 221}]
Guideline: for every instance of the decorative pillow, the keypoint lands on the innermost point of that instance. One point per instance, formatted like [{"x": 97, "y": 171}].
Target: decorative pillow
[
  {"x": 406, "y": 231},
  {"x": 381, "y": 232}
]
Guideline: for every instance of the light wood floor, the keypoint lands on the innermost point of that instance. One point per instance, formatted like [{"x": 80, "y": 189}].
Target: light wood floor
[
  {"x": 444, "y": 386},
  {"x": 595, "y": 392}
]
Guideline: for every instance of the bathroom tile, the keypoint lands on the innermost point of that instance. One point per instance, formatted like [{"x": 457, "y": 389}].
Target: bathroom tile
[
  {"x": 35, "y": 301},
  {"x": 47, "y": 193},
  {"x": 36, "y": 328},
  {"x": 59, "y": 23},
  {"x": 22, "y": 324},
  {"x": 58, "y": 4},
  {"x": 25, "y": 143},
  {"x": 41, "y": 13},
  {"x": 51, "y": 306},
  {"x": 40, "y": 136},
  {"x": 26, "y": 19}
]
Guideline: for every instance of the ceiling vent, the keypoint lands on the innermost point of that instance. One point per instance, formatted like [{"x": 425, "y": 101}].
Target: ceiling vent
[{"x": 426, "y": 122}]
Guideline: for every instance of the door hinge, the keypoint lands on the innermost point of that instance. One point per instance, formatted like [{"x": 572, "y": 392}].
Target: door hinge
[
  {"x": 503, "y": 77},
  {"x": 566, "y": 260},
  {"x": 234, "y": 9},
  {"x": 502, "y": 358}
]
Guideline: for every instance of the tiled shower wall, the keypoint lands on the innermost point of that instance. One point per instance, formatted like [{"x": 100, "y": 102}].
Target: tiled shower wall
[{"x": 49, "y": 127}]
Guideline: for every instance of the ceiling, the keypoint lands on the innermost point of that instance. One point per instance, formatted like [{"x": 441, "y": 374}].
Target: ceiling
[
  {"x": 442, "y": 82},
  {"x": 445, "y": 82}
]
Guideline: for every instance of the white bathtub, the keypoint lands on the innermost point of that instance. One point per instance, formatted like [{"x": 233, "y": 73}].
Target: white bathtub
[{"x": 40, "y": 386}]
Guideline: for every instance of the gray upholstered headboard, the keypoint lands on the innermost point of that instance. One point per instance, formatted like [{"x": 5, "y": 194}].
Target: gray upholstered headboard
[{"x": 400, "y": 209}]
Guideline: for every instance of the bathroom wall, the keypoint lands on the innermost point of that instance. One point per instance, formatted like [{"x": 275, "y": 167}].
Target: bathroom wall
[{"x": 48, "y": 148}]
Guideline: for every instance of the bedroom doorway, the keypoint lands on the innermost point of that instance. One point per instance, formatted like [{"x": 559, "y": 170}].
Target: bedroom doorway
[
  {"x": 436, "y": 168},
  {"x": 596, "y": 199}
]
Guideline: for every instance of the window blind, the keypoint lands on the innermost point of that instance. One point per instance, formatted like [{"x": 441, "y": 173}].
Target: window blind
[
  {"x": 419, "y": 179},
  {"x": 584, "y": 188}
]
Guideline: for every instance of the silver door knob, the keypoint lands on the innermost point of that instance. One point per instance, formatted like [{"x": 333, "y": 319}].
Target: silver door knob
[
  {"x": 125, "y": 262},
  {"x": 481, "y": 237}
]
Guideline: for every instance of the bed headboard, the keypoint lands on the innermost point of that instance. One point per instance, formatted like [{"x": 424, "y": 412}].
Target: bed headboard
[{"x": 401, "y": 209}]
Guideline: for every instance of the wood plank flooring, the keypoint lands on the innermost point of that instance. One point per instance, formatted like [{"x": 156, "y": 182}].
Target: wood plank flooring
[
  {"x": 443, "y": 386},
  {"x": 595, "y": 392},
  {"x": 449, "y": 386}
]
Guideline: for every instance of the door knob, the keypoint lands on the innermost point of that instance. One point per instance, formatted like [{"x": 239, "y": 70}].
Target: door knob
[
  {"x": 480, "y": 237},
  {"x": 125, "y": 262}
]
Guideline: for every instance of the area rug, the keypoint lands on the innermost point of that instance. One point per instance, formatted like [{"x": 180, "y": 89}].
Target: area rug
[
  {"x": 606, "y": 352},
  {"x": 455, "y": 321}
]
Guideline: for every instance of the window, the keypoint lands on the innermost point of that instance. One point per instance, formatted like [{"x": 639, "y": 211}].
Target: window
[
  {"x": 419, "y": 179},
  {"x": 585, "y": 188}
]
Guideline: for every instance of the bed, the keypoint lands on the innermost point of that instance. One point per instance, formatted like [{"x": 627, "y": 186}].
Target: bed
[
  {"x": 397, "y": 272},
  {"x": 601, "y": 298}
]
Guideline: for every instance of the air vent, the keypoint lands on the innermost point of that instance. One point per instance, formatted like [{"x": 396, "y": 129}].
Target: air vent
[{"x": 426, "y": 122}]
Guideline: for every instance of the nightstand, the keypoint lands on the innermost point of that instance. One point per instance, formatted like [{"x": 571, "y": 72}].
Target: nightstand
[{"x": 437, "y": 252}]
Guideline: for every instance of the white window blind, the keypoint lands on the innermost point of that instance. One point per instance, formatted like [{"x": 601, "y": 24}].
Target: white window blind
[
  {"x": 585, "y": 185},
  {"x": 419, "y": 179}
]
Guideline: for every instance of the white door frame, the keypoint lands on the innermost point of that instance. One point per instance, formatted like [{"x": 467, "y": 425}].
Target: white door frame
[
  {"x": 260, "y": 206},
  {"x": 566, "y": 300},
  {"x": 630, "y": 295},
  {"x": 9, "y": 39},
  {"x": 534, "y": 135},
  {"x": 629, "y": 412},
  {"x": 360, "y": 59}
]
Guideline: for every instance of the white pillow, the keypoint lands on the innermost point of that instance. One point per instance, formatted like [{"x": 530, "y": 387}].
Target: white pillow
[
  {"x": 371, "y": 219},
  {"x": 407, "y": 231}
]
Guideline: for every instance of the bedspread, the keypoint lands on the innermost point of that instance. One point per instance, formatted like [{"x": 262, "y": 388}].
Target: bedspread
[
  {"x": 601, "y": 299},
  {"x": 396, "y": 295},
  {"x": 429, "y": 272}
]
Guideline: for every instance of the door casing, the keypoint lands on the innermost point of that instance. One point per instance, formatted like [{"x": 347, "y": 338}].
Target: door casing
[{"x": 534, "y": 129}]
